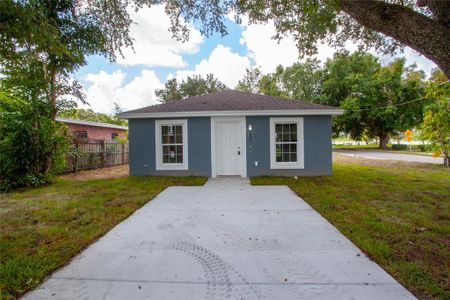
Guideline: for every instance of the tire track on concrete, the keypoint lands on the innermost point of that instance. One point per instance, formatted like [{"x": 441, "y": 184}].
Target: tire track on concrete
[
  {"x": 223, "y": 281},
  {"x": 234, "y": 235}
]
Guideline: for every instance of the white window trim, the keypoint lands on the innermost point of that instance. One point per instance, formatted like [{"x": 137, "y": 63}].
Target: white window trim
[
  {"x": 299, "y": 164},
  {"x": 158, "y": 145}
]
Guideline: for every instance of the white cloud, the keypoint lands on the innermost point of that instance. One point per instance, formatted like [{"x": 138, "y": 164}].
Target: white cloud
[
  {"x": 227, "y": 66},
  {"x": 105, "y": 89},
  {"x": 153, "y": 43},
  {"x": 266, "y": 52}
]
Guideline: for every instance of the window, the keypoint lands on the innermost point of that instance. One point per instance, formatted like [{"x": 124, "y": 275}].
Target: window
[
  {"x": 286, "y": 143},
  {"x": 171, "y": 144},
  {"x": 80, "y": 134},
  {"x": 114, "y": 135}
]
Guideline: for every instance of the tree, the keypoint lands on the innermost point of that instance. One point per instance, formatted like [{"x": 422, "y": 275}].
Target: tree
[
  {"x": 190, "y": 87},
  {"x": 42, "y": 42},
  {"x": 272, "y": 84},
  {"x": 249, "y": 83},
  {"x": 423, "y": 25},
  {"x": 379, "y": 101},
  {"x": 269, "y": 84},
  {"x": 438, "y": 76},
  {"x": 301, "y": 81},
  {"x": 117, "y": 109},
  {"x": 342, "y": 73},
  {"x": 436, "y": 122}
]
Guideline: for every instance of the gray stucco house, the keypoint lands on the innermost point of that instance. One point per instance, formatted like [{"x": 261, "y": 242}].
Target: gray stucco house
[{"x": 231, "y": 133}]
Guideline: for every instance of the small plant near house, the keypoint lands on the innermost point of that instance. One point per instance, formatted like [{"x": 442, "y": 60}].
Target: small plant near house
[
  {"x": 122, "y": 140},
  {"x": 75, "y": 155}
]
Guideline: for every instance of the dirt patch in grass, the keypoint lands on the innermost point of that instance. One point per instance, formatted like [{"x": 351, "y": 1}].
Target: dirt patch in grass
[
  {"x": 396, "y": 212},
  {"x": 103, "y": 173},
  {"x": 43, "y": 228}
]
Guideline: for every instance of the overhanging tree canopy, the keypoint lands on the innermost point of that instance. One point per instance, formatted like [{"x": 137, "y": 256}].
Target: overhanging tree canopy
[{"x": 387, "y": 26}]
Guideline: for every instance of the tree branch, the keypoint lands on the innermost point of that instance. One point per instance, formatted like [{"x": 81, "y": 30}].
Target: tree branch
[{"x": 425, "y": 35}]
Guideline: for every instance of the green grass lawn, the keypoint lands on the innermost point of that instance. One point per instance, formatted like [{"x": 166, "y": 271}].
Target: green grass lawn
[
  {"x": 352, "y": 147},
  {"x": 398, "y": 214},
  {"x": 43, "y": 228}
]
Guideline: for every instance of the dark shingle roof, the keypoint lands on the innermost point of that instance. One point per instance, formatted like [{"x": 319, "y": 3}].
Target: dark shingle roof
[{"x": 230, "y": 100}]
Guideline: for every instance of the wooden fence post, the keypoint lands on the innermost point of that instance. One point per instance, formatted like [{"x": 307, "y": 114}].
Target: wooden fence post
[
  {"x": 93, "y": 151},
  {"x": 123, "y": 154},
  {"x": 76, "y": 157},
  {"x": 103, "y": 148}
]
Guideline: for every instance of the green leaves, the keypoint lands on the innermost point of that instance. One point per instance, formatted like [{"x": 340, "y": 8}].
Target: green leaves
[
  {"x": 42, "y": 42},
  {"x": 31, "y": 144},
  {"x": 192, "y": 86},
  {"x": 90, "y": 115},
  {"x": 379, "y": 100},
  {"x": 301, "y": 81},
  {"x": 436, "y": 121}
]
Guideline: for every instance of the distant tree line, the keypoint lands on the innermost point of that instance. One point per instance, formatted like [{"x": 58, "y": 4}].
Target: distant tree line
[{"x": 91, "y": 115}]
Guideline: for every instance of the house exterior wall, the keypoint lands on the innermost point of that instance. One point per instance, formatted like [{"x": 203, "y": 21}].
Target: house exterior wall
[
  {"x": 96, "y": 132},
  {"x": 317, "y": 147},
  {"x": 142, "y": 148}
]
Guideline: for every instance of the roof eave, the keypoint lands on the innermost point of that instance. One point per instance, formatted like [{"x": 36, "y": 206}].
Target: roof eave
[
  {"x": 303, "y": 112},
  {"x": 91, "y": 123}
]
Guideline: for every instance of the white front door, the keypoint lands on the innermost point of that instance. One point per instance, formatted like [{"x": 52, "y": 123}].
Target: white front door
[{"x": 229, "y": 146}]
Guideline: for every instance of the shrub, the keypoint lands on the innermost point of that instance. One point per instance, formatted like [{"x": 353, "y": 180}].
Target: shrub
[
  {"x": 32, "y": 144},
  {"x": 425, "y": 148},
  {"x": 398, "y": 147}
]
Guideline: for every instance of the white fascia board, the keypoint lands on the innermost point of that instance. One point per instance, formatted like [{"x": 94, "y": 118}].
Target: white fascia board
[{"x": 302, "y": 112}]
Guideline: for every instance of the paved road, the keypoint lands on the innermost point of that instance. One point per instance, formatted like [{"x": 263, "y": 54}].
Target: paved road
[
  {"x": 392, "y": 156},
  {"x": 225, "y": 240}
]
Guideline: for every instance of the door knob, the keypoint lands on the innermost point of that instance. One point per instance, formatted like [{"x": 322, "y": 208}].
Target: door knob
[{"x": 239, "y": 152}]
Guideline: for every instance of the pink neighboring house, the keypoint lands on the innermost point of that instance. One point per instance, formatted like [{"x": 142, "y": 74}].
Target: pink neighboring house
[{"x": 88, "y": 130}]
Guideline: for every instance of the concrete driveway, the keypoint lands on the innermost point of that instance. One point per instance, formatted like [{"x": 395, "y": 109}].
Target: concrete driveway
[
  {"x": 225, "y": 240},
  {"x": 392, "y": 156}
]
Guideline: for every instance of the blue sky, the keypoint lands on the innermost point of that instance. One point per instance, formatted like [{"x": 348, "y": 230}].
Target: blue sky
[
  {"x": 99, "y": 63},
  {"x": 132, "y": 79}
]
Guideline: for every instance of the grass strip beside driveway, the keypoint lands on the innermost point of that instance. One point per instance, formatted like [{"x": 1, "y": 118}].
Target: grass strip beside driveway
[
  {"x": 43, "y": 228},
  {"x": 397, "y": 213}
]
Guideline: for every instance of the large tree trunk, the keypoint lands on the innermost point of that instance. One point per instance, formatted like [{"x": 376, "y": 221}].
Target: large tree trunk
[
  {"x": 384, "y": 140},
  {"x": 425, "y": 35}
]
